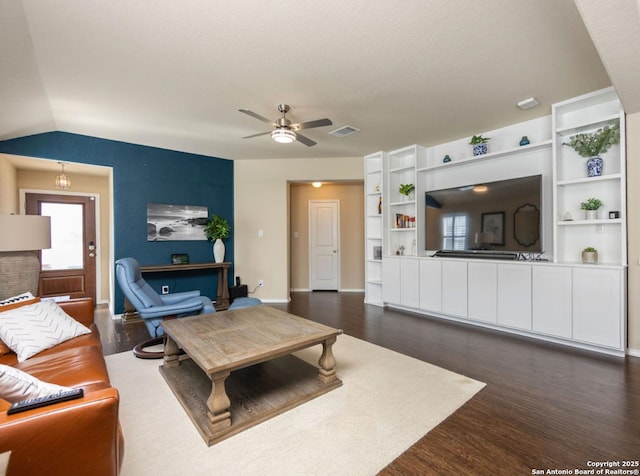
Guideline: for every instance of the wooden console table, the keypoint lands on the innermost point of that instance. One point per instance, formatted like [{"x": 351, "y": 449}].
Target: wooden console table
[{"x": 222, "y": 296}]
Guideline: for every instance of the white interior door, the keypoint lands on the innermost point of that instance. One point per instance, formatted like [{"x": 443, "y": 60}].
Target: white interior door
[{"x": 324, "y": 238}]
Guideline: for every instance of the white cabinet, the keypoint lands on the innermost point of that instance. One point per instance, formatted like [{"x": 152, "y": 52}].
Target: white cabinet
[
  {"x": 483, "y": 290},
  {"x": 410, "y": 282},
  {"x": 454, "y": 288},
  {"x": 391, "y": 280},
  {"x": 431, "y": 285},
  {"x": 514, "y": 295},
  {"x": 551, "y": 300},
  {"x": 373, "y": 181},
  {"x": 597, "y": 299}
]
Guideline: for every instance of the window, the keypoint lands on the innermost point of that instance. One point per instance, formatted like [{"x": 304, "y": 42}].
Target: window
[{"x": 454, "y": 231}]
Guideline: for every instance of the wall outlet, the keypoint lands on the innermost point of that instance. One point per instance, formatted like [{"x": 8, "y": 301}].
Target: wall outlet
[
  {"x": 260, "y": 283},
  {"x": 165, "y": 289}
]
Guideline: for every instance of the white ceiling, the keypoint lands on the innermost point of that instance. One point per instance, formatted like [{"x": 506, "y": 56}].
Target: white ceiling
[{"x": 173, "y": 74}]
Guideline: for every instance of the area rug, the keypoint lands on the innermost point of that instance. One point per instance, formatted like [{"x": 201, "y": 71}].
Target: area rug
[{"x": 387, "y": 402}]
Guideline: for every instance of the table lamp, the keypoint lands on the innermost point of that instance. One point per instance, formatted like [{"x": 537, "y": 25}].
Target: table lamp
[{"x": 20, "y": 237}]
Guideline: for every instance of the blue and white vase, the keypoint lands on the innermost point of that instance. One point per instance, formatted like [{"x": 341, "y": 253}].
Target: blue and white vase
[
  {"x": 479, "y": 149},
  {"x": 594, "y": 166}
]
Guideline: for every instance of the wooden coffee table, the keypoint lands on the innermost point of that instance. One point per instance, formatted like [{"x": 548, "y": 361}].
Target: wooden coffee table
[{"x": 237, "y": 369}]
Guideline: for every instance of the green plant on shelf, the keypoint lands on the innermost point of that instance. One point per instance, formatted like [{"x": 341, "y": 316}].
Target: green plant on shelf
[
  {"x": 595, "y": 143},
  {"x": 479, "y": 139},
  {"x": 406, "y": 189},
  {"x": 591, "y": 204},
  {"x": 217, "y": 227},
  {"x": 590, "y": 249}
]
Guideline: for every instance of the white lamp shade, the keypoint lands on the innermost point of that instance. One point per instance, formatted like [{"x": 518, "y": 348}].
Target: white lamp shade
[
  {"x": 284, "y": 136},
  {"x": 24, "y": 232}
]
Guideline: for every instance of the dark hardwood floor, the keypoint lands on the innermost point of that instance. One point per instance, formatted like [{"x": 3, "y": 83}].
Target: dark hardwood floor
[{"x": 544, "y": 406}]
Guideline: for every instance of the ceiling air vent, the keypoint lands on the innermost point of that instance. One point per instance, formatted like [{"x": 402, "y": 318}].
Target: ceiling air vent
[{"x": 344, "y": 131}]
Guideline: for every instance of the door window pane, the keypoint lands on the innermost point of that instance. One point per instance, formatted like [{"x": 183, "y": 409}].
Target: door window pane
[{"x": 66, "y": 250}]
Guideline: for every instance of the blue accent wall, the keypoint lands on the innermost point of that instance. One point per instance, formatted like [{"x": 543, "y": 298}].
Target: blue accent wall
[{"x": 143, "y": 175}]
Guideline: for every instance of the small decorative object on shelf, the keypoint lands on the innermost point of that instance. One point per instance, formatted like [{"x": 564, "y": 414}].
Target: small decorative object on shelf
[
  {"x": 614, "y": 214},
  {"x": 406, "y": 189},
  {"x": 446, "y": 159},
  {"x": 593, "y": 144},
  {"x": 567, "y": 216},
  {"x": 590, "y": 255},
  {"x": 376, "y": 187},
  {"x": 479, "y": 144},
  {"x": 380, "y": 206},
  {"x": 590, "y": 206},
  {"x": 524, "y": 141},
  {"x": 377, "y": 252}
]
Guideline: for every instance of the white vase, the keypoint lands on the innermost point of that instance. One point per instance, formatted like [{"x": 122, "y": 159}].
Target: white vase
[
  {"x": 218, "y": 251},
  {"x": 591, "y": 214}
]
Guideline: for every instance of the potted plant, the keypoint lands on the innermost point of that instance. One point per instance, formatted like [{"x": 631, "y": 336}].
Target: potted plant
[
  {"x": 479, "y": 144},
  {"x": 593, "y": 144},
  {"x": 216, "y": 229},
  {"x": 590, "y": 206},
  {"x": 406, "y": 189},
  {"x": 589, "y": 255}
]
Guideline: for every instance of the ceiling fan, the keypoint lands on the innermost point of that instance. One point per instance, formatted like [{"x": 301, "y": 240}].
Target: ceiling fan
[{"x": 285, "y": 132}]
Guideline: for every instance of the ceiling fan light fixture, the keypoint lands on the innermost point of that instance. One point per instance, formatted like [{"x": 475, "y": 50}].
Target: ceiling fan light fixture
[{"x": 283, "y": 136}]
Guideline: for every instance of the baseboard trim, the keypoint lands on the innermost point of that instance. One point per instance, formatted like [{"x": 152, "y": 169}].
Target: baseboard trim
[
  {"x": 633, "y": 352},
  {"x": 351, "y": 290}
]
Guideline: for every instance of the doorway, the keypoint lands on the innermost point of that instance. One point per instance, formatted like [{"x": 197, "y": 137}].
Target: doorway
[
  {"x": 69, "y": 266},
  {"x": 324, "y": 241}
]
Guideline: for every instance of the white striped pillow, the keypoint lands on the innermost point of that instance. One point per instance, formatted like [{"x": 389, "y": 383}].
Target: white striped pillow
[{"x": 30, "y": 329}]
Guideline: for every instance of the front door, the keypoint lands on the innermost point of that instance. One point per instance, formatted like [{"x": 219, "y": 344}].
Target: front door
[
  {"x": 324, "y": 239},
  {"x": 69, "y": 266}
]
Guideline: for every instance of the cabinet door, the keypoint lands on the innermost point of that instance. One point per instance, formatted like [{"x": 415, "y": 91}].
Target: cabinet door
[
  {"x": 391, "y": 280},
  {"x": 514, "y": 295},
  {"x": 552, "y": 300},
  {"x": 597, "y": 298},
  {"x": 483, "y": 291},
  {"x": 454, "y": 288},
  {"x": 409, "y": 282},
  {"x": 431, "y": 285}
]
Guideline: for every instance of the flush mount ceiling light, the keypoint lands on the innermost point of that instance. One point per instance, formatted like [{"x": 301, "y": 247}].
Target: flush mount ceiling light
[
  {"x": 480, "y": 188},
  {"x": 63, "y": 181},
  {"x": 528, "y": 103},
  {"x": 283, "y": 136},
  {"x": 316, "y": 184}
]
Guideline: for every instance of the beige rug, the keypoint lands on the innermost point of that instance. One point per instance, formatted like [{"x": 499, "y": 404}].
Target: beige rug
[{"x": 387, "y": 402}]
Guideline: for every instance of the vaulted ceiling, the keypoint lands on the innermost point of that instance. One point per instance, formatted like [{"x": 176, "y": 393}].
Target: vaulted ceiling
[{"x": 173, "y": 74}]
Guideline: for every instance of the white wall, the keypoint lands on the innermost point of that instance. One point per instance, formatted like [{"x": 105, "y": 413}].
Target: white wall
[
  {"x": 261, "y": 203},
  {"x": 633, "y": 223}
]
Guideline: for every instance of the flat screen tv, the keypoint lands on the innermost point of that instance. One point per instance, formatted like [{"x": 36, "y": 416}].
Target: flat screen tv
[{"x": 498, "y": 216}]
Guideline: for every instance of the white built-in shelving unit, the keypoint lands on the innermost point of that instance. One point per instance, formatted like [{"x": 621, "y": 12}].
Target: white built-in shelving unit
[{"x": 558, "y": 298}]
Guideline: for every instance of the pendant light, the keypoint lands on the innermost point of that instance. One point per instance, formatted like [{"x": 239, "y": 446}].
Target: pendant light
[{"x": 63, "y": 181}]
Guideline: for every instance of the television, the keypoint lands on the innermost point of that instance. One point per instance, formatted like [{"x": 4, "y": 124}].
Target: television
[{"x": 491, "y": 216}]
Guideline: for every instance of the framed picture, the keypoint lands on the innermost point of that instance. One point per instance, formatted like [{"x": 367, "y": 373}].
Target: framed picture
[
  {"x": 180, "y": 258},
  {"x": 176, "y": 222},
  {"x": 493, "y": 228}
]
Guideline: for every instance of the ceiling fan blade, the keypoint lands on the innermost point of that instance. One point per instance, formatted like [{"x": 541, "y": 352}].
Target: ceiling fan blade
[
  {"x": 258, "y": 116},
  {"x": 256, "y": 135},
  {"x": 305, "y": 140},
  {"x": 310, "y": 124}
]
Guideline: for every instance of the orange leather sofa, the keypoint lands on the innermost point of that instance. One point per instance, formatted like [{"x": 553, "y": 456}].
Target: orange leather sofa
[{"x": 77, "y": 437}]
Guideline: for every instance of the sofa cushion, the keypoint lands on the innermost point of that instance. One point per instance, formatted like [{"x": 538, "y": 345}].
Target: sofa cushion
[
  {"x": 36, "y": 327},
  {"x": 81, "y": 367},
  {"x": 16, "y": 385}
]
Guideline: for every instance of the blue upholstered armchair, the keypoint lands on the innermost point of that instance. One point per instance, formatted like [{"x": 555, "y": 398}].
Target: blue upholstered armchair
[{"x": 152, "y": 307}]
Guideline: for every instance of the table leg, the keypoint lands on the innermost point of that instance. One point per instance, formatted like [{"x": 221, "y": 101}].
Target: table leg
[
  {"x": 218, "y": 403},
  {"x": 327, "y": 362},
  {"x": 171, "y": 352}
]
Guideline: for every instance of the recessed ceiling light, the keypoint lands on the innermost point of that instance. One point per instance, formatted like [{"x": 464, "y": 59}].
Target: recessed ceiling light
[
  {"x": 316, "y": 184},
  {"x": 480, "y": 188},
  {"x": 528, "y": 103}
]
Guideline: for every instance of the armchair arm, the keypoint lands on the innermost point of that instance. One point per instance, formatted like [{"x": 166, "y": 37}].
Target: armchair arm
[
  {"x": 76, "y": 437},
  {"x": 174, "y": 298}
]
